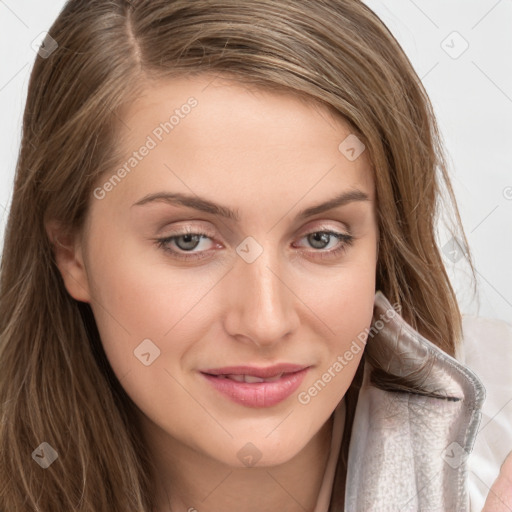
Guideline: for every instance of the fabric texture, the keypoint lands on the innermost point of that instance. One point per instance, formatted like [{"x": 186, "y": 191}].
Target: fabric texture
[{"x": 426, "y": 450}]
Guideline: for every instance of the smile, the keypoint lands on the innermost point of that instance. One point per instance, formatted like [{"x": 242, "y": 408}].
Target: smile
[{"x": 255, "y": 391}]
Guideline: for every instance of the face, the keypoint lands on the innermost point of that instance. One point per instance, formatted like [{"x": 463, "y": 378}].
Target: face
[{"x": 208, "y": 251}]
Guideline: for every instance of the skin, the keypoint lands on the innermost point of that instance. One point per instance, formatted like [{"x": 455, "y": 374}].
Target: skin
[{"x": 267, "y": 155}]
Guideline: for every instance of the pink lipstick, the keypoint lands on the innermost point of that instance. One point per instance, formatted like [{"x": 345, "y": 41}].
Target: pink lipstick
[{"x": 257, "y": 387}]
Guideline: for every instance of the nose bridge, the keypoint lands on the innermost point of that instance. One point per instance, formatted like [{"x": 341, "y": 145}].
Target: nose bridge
[{"x": 262, "y": 306}]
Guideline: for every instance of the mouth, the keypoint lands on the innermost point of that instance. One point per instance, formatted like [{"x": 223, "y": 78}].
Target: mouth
[
  {"x": 268, "y": 372},
  {"x": 250, "y": 379},
  {"x": 256, "y": 387}
]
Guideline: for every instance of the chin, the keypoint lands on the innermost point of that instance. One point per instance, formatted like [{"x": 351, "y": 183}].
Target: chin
[{"x": 262, "y": 452}]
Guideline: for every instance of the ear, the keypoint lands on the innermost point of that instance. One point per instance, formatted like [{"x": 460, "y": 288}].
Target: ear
[{"x": 69, "y": 259}]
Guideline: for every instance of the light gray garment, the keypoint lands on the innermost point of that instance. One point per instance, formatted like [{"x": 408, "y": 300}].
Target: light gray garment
[{"x": 408, "y": 451}]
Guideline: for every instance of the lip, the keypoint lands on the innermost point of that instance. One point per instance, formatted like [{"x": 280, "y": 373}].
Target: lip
[
  {"x": 258, "y": 394},
  {"x": 262, "y": 372}
]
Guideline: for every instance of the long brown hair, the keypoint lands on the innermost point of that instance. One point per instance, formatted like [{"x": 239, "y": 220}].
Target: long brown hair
[{"x": 56, "y": 385}]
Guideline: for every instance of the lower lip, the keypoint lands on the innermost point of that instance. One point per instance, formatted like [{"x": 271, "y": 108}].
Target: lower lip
[{"x": 258, "y": 394}]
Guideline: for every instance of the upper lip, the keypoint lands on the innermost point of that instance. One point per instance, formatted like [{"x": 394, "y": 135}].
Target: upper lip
[{"x": 262, "y": 372}]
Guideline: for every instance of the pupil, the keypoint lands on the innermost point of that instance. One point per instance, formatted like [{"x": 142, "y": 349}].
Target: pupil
[
  {"x": 188, "y": 239},
  {"x": 323, "y": 238}
]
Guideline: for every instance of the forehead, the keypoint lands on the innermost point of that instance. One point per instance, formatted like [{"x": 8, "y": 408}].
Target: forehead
[
  {"x": 222, "y": 102},
  {"x": 212, "y": 135}
]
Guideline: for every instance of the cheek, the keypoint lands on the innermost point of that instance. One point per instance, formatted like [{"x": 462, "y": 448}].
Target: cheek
[
  {"x": 136, "y": 299},
  {"x": 347, "y": 311},
  {"x": 344, "y": 297},
  {"x": 344, "y": 303},
  {"x": 147, "y": 320}
]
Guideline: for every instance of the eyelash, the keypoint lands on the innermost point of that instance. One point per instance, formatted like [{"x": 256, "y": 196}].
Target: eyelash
[{"x": 345, "y": 239}]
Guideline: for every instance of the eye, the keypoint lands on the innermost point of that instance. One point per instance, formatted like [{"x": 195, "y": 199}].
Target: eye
[
  {"x": 179, "y": 244},
  {"x": 186, "y": 242},
  {"x": 321, "y": 239}
]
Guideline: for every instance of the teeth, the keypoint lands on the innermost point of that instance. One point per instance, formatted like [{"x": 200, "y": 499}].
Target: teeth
[
  {"x": 238, "y": 378},
  {"x": 250, "y": 378},
  {"x": 273, "y": 379}
]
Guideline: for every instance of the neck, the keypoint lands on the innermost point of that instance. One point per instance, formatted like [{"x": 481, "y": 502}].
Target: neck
[{"x": 190, "y": 481}]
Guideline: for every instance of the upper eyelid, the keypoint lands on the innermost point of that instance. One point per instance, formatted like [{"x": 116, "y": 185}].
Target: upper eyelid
[
  {"x": 324, "y": 225},
  {"x": 200, "y": 230}
]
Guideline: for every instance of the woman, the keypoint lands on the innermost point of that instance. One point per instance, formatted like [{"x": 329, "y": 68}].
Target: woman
[{"x": 230, "y": 210}]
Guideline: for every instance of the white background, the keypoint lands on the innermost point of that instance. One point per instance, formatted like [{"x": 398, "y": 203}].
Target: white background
[{"x": 471, "y": 94}]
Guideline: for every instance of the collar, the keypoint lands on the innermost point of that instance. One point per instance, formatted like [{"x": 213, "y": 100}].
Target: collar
[{"x": 409, "y": 447}]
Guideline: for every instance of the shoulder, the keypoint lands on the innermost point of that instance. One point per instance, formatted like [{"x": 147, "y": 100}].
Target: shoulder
[{"x": 486, "y": 349}]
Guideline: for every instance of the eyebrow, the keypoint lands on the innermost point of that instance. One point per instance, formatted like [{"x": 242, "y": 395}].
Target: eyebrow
[{"x": 205, "y": 205}]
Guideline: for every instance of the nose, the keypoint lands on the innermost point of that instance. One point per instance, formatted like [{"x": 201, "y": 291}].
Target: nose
[{"x": 261, "y": 305}]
